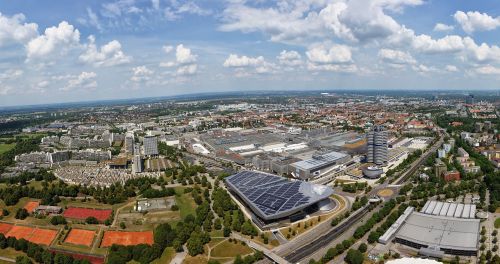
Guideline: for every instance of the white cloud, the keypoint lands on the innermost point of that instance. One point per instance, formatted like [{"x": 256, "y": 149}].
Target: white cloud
[
  {"x": 396, "y": 57},
  {"x": 14, "y": 29},
  {"x": 167, "y": 49},
  {"x": 443, "y": 27},
  {"x": 483, "y": 53},
  {"x": 301, "y": 21},
  {"x": 424, "y": 69},
  {"x": 11, "y": 74},
  {"x": 85, "y": 80},
  {"x": 426, "y": 44},
  {"x": 183, "y": 55},
  {"x": 329, "y": 54},
  {"x": 7, "y": 78},
  {"x": 185, "y": 60},
  {"x": 246, "y": 66},
  {"x": 56, "y": 39},
  {"x": 193, "y": 8},
  {"x": 451, "y": 68},
  {"x": 236, "y": 61},
  {"x": 5, "y": 89},
  {"x": 476, "y": 21},
  {"x": 110, "y": 54},
  {"x": 119, "y": 8},
  {"x": 155, "y": 4},
  {"x": 91, "y": 20},
  {"x": 189, "y": 69},
  {"x": 341, "y": 68},
  {"x": 141, "y": 74},
  {"x": 289, "y": 58},
  {"x": 488, "y": 70}
]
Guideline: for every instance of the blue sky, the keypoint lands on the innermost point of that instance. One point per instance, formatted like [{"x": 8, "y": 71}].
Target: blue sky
[{"x": 61, "y": 51}]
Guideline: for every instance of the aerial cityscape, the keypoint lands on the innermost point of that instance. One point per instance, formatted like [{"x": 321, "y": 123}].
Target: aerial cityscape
[{"x": 185, "y": 132}]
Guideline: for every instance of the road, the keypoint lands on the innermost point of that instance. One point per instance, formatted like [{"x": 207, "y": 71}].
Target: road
[{"x": 7, "y": 259}]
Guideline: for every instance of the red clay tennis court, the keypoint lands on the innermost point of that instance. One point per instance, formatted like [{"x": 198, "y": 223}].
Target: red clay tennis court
[
  {"x": 126, "y": 238},
  {"x": 31, "y": 205},
  {"x": 82, "y": 213},
  {"x": 34, "y": 235},
  {"x": 80, "y": 237},
  {"x": 4, "y": 228}
]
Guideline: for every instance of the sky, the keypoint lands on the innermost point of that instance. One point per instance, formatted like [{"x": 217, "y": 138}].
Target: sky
[{"x": 55, "y": 51}]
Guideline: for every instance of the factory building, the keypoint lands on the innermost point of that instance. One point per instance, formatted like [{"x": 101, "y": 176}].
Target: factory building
[
  {"x": 319, "y": 165},
  {"x": 439, "y": 229}
]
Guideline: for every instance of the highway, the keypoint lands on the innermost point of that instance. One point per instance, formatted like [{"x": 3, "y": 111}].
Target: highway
[{"x": 317, "y": 244}]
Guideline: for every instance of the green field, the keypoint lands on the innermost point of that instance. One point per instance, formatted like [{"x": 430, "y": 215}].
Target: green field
[
  {"x": 497, "y": 223},
  {"x": 6, "y": 147},
  {"x": 166, "y": 257},
  {"x": 230, "y": 249},
  {"x": 10, "y": 253},
  {"x": 185, "y": 202}
]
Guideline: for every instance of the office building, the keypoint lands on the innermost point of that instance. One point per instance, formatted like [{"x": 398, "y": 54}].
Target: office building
[
  {"x": 137, "y": 160},
  {"x": 150, "y": 145},
  {"x": 129, "y": 143},
  {"x": 377, "y": 146}
]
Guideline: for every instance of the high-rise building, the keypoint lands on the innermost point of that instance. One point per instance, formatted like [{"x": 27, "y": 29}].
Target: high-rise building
[
  {"x": 377, "y": 146},
  {"x": 129, "y": 143},
  {"x": 137, "y": 160},
  {"x": 470, "y": 99},
  {"x": 150, "y": 145}
]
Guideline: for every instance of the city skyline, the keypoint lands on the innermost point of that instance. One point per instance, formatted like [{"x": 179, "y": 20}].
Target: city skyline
[{"x": 53, "y": 51}]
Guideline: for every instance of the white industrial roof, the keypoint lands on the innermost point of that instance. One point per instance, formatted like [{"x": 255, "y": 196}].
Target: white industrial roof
[
  {"x": 449, "y": 209},
  {"x": 441, "y": 231}
]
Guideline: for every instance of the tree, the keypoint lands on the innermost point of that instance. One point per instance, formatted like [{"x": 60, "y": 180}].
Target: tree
[
  {"x": 227, "y": 231},
  {"x": 23, "y": 260},
  {"x": 58, "y": 220},
  {"x": 22, "y": 214},
  {"x": 362, "y": 248},
  {"x": 195, "y": 243},
  {"x": 91, "y": 220},
  {"x": 164, "y": 235},
  {"x": 217, "y": 224},
  {"x": 354, "y": 257},
  {"x": 122, "y": 225}
]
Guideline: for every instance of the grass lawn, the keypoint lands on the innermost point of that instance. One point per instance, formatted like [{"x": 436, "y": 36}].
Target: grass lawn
[
  {"x": 11, "y": 253},
  {"x": 230, "y": 249},
  {"x": 6, "y": 147},
  {"x": 215, "y": 241},
  {"x": 90, "y": 204},
  {"x": 200, "y": 259},
  {"x": 216, "y": 233},
  {"x": 497, "y": 223},
  {"x": 185, "y": 202},
  {"x": 166, "y": 257}
]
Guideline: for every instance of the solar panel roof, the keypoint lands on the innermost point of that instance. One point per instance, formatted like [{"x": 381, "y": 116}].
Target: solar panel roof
[{"x": 272, "y": 197}]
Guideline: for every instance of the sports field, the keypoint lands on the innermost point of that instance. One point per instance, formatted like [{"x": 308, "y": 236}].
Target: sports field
[
  {"x": 4, "y": 228},
  {"x": 34, "y": 235},
  {"x": 31, "y": 205},
  {"x": 82, "y": 213},
  {"x": 126, "y": 238},
  {"x": 80, "y": 237}
]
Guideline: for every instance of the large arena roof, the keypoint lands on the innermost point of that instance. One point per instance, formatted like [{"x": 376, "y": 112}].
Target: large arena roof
[
  {"x": 441, "y": 232},
  {"x": 273, "y": 197}
]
